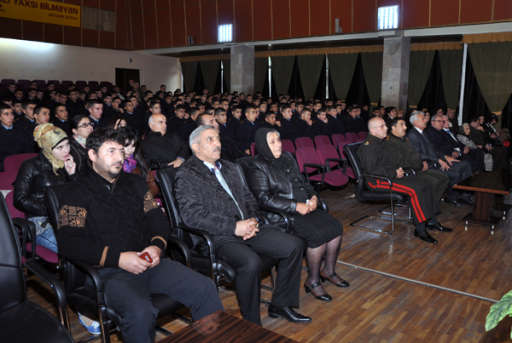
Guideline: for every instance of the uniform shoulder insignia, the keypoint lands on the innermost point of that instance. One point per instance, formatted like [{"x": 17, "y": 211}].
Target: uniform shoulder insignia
[{"x": 367, "y": 143}]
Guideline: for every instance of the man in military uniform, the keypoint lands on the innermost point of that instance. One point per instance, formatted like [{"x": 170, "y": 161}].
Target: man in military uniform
[{"x": 377, "y": 158}]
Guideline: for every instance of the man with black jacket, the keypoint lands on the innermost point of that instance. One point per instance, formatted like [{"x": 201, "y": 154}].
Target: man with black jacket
[
  {"x": 160, "y": 148},
  {"x": 13, "y": 140},
  {"x": 212, "y": 195},
  {"x": 109, "y": 219},
  {"x": 377, "y": 158}
]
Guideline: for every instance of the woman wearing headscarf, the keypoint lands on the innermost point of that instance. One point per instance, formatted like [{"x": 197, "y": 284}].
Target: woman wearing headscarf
[
  {"x": 279, "y": 186},
  {"x": 54, "y": 165}
]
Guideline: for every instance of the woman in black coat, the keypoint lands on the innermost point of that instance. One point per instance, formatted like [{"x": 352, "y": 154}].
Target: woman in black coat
[{"x": 279, "y": 186}]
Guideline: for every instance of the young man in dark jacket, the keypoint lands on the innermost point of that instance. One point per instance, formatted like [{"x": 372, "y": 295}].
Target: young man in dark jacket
[{"x": 109, "y": 219}]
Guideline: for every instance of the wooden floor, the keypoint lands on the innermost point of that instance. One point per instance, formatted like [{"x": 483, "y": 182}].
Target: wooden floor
[{"x": 402, "y": 289}]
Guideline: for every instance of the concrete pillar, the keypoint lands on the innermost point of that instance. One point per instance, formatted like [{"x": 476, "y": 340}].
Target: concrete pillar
[
  {"x": 395, "y": 71},
  {"x": 242, "y": 69}
]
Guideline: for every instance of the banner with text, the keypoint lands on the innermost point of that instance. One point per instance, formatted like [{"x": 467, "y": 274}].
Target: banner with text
[{"x": 42, "y": 11}]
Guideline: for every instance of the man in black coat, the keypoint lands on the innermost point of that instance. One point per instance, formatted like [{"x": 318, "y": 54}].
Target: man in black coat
[
  {"x": 378, "y": 158},
  {"x": 457, "y": 171},
  {"x": 290, "y": 129},
  {"x": 108, "y": 219},
  {"x": 247, "y": 129},
  {"x": 12, "y": 139},
  {"x": 212, "y": 195},
  {"x": 352, "y": 121},
  {"x": 160, "y": 148},
  {"x": 61, "y": 119}
]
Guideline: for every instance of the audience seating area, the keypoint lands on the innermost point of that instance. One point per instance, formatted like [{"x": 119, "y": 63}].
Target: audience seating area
[{"x": 63, "y": 85}]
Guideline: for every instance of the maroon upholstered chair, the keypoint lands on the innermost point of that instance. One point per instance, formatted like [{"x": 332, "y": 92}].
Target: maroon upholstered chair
[
  {"x": 322, "y": 140},
  {"x": 352, "y": 137},
  {"x": 310, "y": 163},
  {"x": 362, "y": 135},
  {"x": 304, "y": 142},
  {"x": 337, "y": 138},
  {"x": 331, "y": 159},
  {"x": 288, "y": 146},
  {"x": 12, "y": 164},
  {"x": 253, "y": 149}
]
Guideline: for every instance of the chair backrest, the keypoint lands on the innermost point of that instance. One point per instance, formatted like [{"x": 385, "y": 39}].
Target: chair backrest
[
  {"x": 307, "y": 155},
  {"x": 362, "y": 135},
  {"x": 338, "y": 138},
  {"x": 327, "y": 151},
  {"x": 11, "y": 273},
  {"x": 304, "y": 142},
  {"x": 351, "y": 154},
  {"x": 253, "y": 149},
  {"x": 322, "y": 140},
  {"x": 288, "y": 146},
  {"x": 352, "y": 137},
  {"x": 12, "y": 164}
]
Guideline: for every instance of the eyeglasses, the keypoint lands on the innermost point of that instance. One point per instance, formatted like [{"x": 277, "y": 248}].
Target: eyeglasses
[{"x": 84, "y": 125}]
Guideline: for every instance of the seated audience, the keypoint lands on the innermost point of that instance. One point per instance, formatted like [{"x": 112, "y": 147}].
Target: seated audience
[
  {"x": 95, "y": 109},
  {"x": 279, "y": 186},
  {"x": 335, "y": 122},
  {"x": 109, "y": 219},
  {"x": 212, "y": 195},
  {"x": 378, "y": 157},
  {"x": 322, "y": 125},
  {"x": 13, "y": 139},
  {"x": 352, "y": 121},
  {"x": 456, "y": 170},
  {"x": 61, "y": 119},
  {"x": 247, "y": 129},
  {"x": 161, "y": 149},
  {"x": 289, "y": 125},
  {"x": 54, "y": 165}
]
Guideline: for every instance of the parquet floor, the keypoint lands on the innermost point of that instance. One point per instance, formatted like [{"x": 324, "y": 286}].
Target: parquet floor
[{"x": 380, "y": 308}]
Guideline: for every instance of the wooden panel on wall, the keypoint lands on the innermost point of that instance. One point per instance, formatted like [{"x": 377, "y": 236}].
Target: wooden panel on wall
[
  {"x": 90, "y": 38},
  {"x": 72, "y": 35},
  {"x": 178, "y": 22},
  {"x": 262, "y": 21},
  {"x": 209, "y": 21},
  {"x": 123, "y": 32},
  {"x": 300, "y": 18},
  {"x": 415, "y": 13},
  {"x": 91, "y": 3},
  {"x": 33, "y": 31},
  {"x": 444, "y": 12},
  {"x": 242, "y": 29},
  {"x": 365, "y": 15},
  {"x": 502, "y": 9},
  {"x": 225, "y": 11},
  {"x": 163, "y": 15},
  {"x": 319, "y": 17},
  {"x": 193, "y": 9},
  {"x": 107, "y": 40},
  {"x": 342, "y": 9},
  {"x": 10, "y": 28},
  {"x": 381, "y": 3},
  {"x": 149, "y": 24},
  {"x": 137, "y": 24},
  {"x": 475, "y": 11},
  {"x": 53, "y": 33},
  {"x": 281, "y": 19}
]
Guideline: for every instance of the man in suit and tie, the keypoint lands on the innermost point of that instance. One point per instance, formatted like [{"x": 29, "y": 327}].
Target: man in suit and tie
[
  {"x": 456, "y": 170},
  {"x": 212, "y": 195}
]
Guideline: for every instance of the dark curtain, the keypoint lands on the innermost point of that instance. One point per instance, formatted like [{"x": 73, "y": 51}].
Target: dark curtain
[
  {"x": 506, "y": 114},
  {"x": 199, "y": 82},
  {"x": 433, "y": 95},
  {"x": 474, "y": 102},
  {"x": 295, "y": 88},
  {"x": 320, "y": 86},
  {"x": 265, "y": 85},
  {"x": 358, "y": 92},
  {"x": 188, "y": 70},
  {"x": 217, "y": 88}
]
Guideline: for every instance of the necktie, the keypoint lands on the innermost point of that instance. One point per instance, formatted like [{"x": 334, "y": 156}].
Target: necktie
[{"x": 224, "y": 185}]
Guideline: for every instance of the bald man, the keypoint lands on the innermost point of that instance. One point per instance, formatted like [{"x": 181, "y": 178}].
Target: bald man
[
  {"x": 160, "y": 148},
  {"x": 378, "y": 158}
]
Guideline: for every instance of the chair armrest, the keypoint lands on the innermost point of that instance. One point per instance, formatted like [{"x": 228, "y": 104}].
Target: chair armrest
[
  {"x": 182, "y": 247},
  {"x": 337, "y": 160},
  {"x": 28, "y": 234},
  {"x": 54, "y": 284},
  {"x": 323, "y": 205},
  {"x": 285, "y": 217},
  {"x": 206, "y": 236},
  {"x": 313, "y": 165},
  {"x": 98, "y": 283},
  {"x": 388, "y": 180}
]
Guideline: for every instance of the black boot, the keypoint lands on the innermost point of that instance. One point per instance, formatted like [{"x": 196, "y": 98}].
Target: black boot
[{"x": 422, "y": 233}]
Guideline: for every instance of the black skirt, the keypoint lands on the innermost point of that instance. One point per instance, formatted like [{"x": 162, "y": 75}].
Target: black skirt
[{"x": 316, "y": 228}]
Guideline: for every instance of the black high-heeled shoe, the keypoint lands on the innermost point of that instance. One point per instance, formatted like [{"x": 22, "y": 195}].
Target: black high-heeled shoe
[
  {"x": 341, "y": 284},
  {"x": 309, "y": 289}
]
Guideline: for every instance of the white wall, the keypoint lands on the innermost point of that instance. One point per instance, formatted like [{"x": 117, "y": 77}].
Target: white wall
[{"x": 20, "y": 59}]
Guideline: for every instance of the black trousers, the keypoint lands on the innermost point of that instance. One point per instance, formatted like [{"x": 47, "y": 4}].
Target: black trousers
[
  {"x": 420, "y": 195},
  {"x": 438, "y": 182},
  {"x": 129, "y": 295},
  {"x": 244, "y": 257}
]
